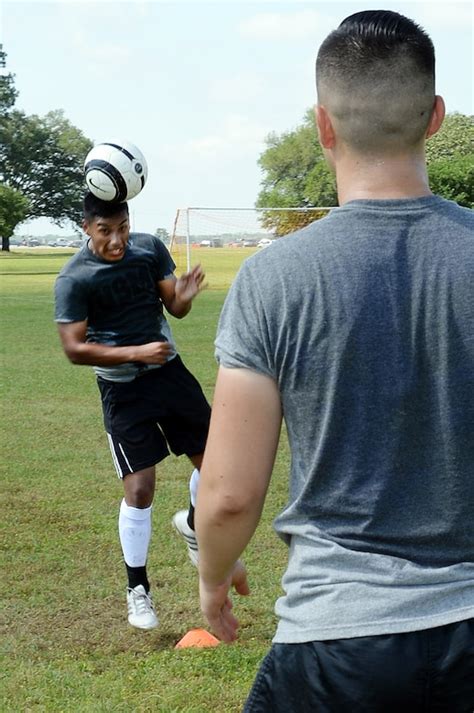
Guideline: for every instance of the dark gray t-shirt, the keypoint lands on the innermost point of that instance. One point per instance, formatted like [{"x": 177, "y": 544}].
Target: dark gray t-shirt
[
  {"x": 119, "y": 299},
  {"x": 365, "y": 320}
]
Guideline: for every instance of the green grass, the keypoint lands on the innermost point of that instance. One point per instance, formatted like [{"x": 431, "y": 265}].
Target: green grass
[{"x": 65, "y": 641}]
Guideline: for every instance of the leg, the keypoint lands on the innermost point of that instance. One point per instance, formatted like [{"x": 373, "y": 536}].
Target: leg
[
  {"x": 197, "y": 460},
  {"x": 139, "y": 488},
  {"x": 136, "y": 445},
  {"x": 193, "y": 486},
  {"x": 183, "y": 520},
  {"x": 135, "y": 534},
  {"x": 135, "y": 524},
  {"x": 185, "y": 425}
]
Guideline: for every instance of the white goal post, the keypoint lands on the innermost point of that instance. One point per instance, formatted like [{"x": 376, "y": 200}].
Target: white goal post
[{"x": 235, "y": 227}]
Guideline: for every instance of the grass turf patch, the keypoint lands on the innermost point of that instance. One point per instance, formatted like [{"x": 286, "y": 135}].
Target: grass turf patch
[{"x": 65, "y": 641}]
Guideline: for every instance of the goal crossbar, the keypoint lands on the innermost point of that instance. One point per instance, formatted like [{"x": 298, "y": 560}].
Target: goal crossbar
[{"x": 209, "y": 225}]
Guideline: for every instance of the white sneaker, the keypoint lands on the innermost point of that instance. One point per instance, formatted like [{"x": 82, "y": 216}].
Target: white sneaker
[
  {"x": 141, "y": 612},
  {"x": 180, "y": 524}
]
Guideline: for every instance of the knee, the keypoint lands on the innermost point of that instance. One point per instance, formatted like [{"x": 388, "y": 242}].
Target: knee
[{"x": 138, "y": 491}]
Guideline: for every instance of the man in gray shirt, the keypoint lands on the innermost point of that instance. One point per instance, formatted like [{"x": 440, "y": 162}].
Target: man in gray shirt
[{"x": 359, "y": 331}]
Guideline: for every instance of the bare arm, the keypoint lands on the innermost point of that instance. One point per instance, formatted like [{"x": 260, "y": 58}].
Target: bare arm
[
  {"x": 177, "y": 294},
  {"x": 238, "y": 462},
  {"x": 73, "y": 339}
]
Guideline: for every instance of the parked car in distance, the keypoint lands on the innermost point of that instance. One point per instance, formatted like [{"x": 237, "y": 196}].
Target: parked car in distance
[
  {"x": 265, "y": 242},
  {"x": 250, "y": 243},
  {"x": 212, "y": 243},
  {"x": 59, "y": 243}
]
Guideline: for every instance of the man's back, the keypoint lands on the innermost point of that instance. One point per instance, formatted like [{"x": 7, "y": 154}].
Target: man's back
[
  {"x": 369, "y": 324},
  {"x": 359, "y": 331}
]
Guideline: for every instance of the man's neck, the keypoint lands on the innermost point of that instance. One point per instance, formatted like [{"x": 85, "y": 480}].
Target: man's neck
[{"x": 381, "y": 178}]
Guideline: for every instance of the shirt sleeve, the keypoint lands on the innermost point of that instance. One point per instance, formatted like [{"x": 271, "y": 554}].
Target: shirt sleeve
[
  {"x": 243, "y": 336},
  {"x": 165, "y": 261},
  {"x": 70, "y": 300}
]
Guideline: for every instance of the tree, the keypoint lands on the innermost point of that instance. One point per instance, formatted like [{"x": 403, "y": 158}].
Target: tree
[
  {"x": 8, "y": 93},
  {"x": 295, "y": 176},
  {"x": 295, "y": 173},
  {"x": 455, "y": 138},
  {"x": 453, "y": 178},
  {"x": 450, "y": 157},
  {"x": 163, "y": 235},
  {"x": 42, "y": 158},
  {"x": 13, "y": 209}
]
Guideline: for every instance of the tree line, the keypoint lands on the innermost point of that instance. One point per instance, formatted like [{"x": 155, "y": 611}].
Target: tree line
[
  {"x": 41, "y": 167},
  {"x": 41, "y": 160},
  {"x": 295, "y": 173}
]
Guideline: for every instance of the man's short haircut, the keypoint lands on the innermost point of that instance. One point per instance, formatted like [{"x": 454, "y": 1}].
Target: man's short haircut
[
  {"x": 375, "y": 75},
  {"x": 95, "y": 208}
]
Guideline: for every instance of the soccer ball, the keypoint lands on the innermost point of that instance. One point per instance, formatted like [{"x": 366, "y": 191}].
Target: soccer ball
[{"x": 115, "y": 171}]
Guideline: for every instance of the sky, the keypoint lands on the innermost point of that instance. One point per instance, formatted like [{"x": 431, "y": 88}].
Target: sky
[{"x": 197, "y": 86}]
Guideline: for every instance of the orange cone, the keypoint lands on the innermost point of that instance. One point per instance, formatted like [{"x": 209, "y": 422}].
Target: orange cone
[{"x": 197, "y": 638}]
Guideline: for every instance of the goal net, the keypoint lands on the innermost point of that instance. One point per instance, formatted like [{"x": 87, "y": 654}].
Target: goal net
[{"x": 197, "y": 230}]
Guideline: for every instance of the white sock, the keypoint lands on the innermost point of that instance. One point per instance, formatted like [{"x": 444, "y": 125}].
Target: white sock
[
  {"x": 135, "y": 533},
  {"x": 193, "y": 486}
]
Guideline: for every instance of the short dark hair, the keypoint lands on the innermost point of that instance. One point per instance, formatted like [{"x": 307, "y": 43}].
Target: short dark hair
[
  {"x": 374, "y": 35},
  {"x": 95, "y": 208},
  {"x": 373, "y": 60}
]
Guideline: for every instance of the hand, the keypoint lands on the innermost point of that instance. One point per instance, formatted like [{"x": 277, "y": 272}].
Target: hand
[
  {"x": 153, "y": 352},
  {"x": 190, "y": 284},
  {"x": 216, "y": 604}
]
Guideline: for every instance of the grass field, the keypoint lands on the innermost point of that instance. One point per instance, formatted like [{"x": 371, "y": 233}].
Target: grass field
[{"x": 65, "y": 641}]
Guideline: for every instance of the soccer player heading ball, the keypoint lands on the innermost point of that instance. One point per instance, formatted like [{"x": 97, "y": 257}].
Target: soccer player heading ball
[{"x": 109, "y": 310}]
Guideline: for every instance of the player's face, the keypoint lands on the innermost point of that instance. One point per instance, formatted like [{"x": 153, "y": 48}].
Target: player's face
[{"x": 109, "y": 236}]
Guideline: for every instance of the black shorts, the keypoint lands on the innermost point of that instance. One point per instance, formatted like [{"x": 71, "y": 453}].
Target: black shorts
[
  {"x": 430, "y": 671},
  {"x": 161, "y": 410}
]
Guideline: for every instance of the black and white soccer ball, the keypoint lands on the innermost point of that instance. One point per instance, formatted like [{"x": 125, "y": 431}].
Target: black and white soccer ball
[{"x": 115, "y": 171}]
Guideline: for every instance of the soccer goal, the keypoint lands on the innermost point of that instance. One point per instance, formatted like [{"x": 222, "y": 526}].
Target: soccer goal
[{"x": 234, "y": 228}]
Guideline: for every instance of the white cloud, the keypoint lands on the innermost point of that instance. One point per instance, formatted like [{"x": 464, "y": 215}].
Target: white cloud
[
  {"x": 96, "y": 32},
  {"x": 241, "y": 88},
  {"x": 238, "y": 137},
  {"x": 103, "y": 58},
  {"x": 105, "y": 53},
  {"x": 298, "y": 25}
]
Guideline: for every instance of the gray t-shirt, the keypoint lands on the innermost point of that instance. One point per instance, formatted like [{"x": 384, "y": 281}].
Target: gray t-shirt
[
  {"x": 119, "y": 299},
  {"x": 365, "y": 320}
]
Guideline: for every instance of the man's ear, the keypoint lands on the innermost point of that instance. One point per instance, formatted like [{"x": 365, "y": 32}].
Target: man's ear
[
  {"x": 85, "y": 227},
  {"x": 327, "y": 137},
  {"x": 437, "y": 116}
]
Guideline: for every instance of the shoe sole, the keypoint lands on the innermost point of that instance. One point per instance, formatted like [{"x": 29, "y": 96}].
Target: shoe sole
[{"x": 144, "y": 628}]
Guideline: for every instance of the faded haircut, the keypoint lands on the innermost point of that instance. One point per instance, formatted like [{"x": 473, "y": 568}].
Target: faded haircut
[
  {"x": 95, "y": 208},
  {"x": 375, "y": 75}
]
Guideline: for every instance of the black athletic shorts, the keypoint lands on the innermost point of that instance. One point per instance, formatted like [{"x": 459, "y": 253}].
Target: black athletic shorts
[
  {"x": 430, "y": 671},
  {"x": 161, "y": 410}
]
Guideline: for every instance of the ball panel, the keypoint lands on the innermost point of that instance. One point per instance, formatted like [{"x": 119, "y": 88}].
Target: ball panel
[
  {"x": 115, "y": 171},
  {"x": 122, "y": 148},
  {"x": 106, "y": 174},
  {"x": 134, "y": 184},
  {"x": 100, "y": 185}
]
